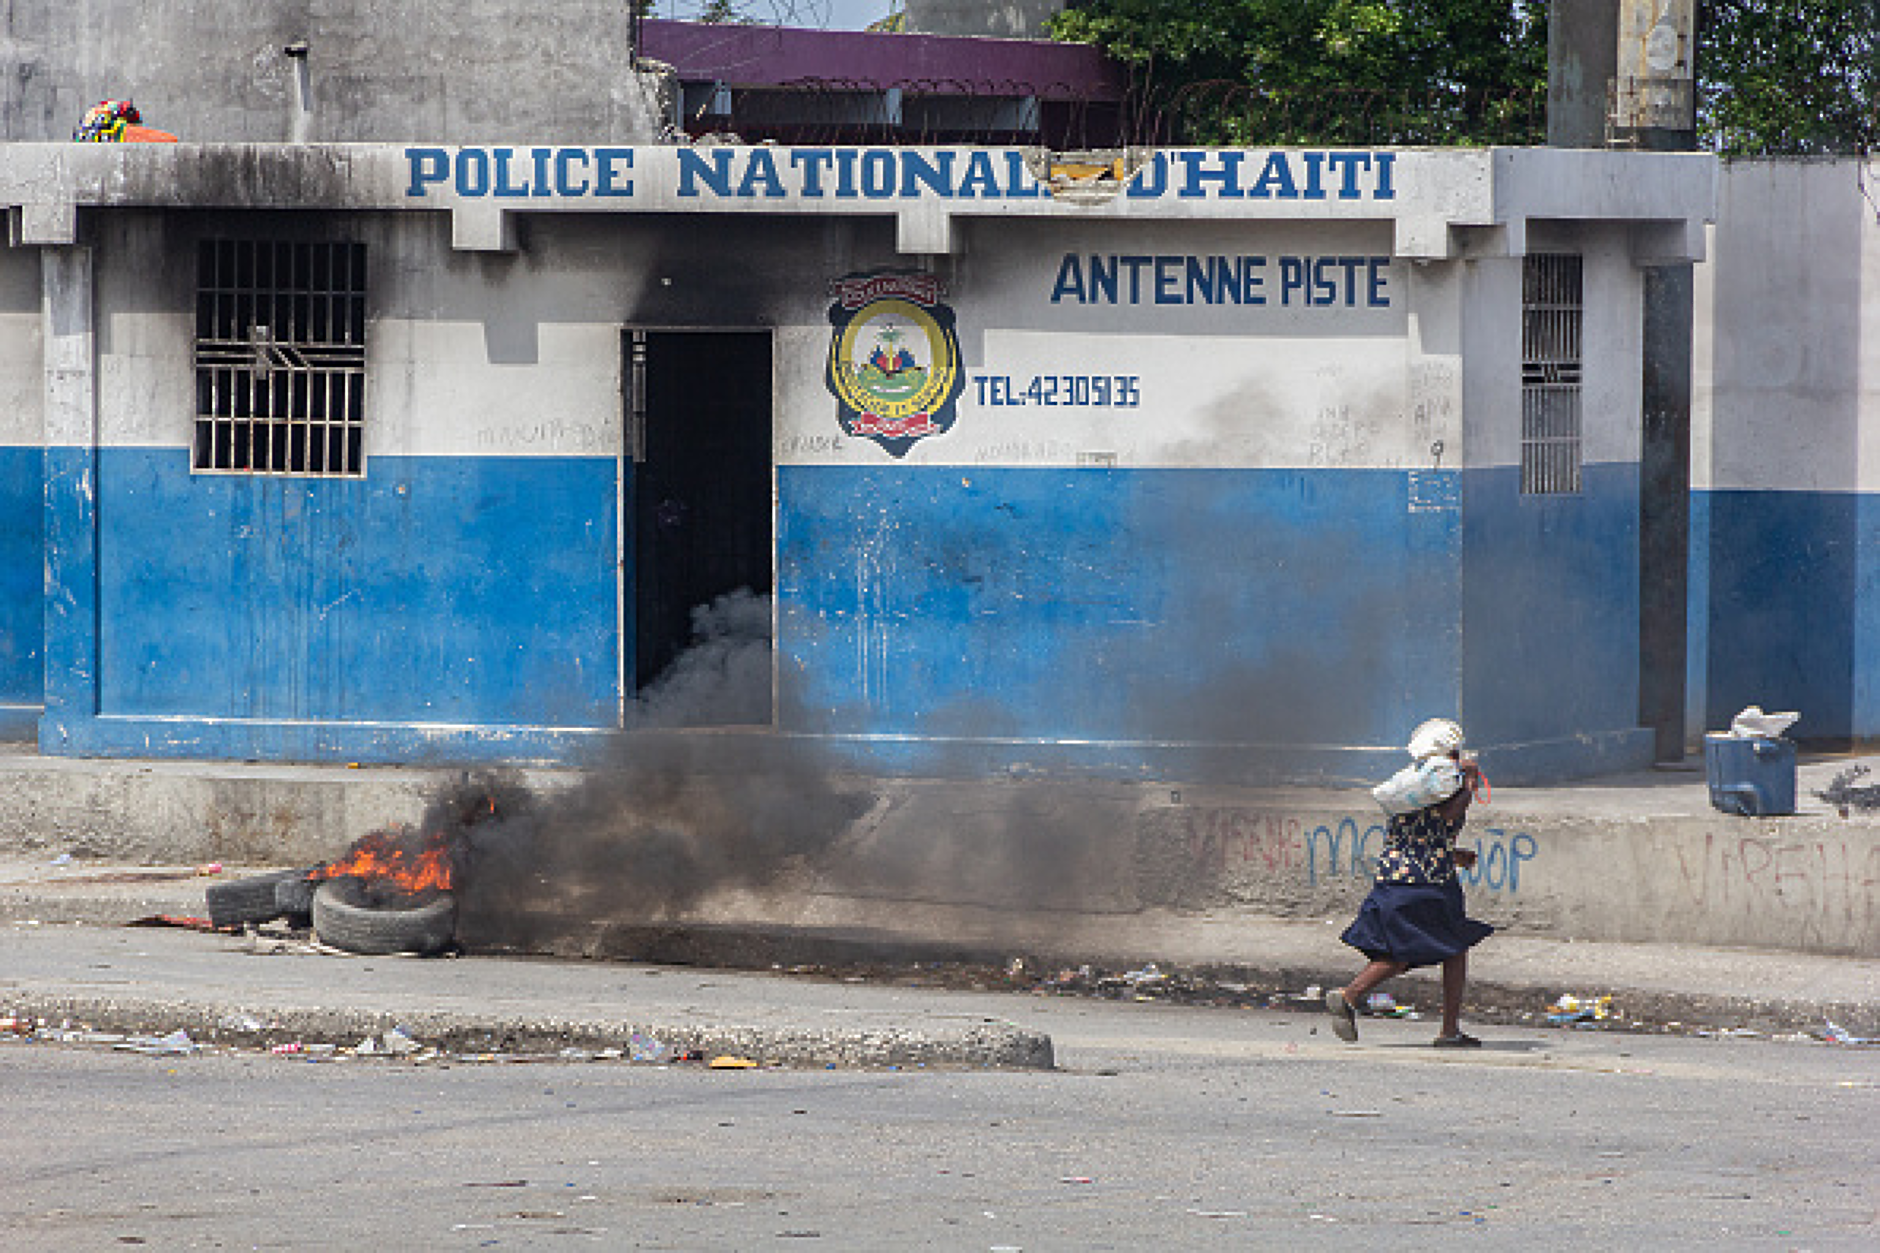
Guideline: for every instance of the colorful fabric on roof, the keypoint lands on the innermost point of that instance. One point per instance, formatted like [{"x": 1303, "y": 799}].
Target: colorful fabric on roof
[{"x": 105, "y": 122}]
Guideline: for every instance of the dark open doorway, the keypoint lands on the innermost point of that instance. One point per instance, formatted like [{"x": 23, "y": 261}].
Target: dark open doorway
[{"x": 699, "y": 410}]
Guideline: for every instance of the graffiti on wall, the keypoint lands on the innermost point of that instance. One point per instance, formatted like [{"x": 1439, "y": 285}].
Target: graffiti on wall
[
  {"x": 1226, "y": 840},
  {"x": 1834, "y": 879}
]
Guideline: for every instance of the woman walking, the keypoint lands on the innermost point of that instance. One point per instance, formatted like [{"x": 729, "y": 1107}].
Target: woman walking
[{"x": 1414, "y": 915}]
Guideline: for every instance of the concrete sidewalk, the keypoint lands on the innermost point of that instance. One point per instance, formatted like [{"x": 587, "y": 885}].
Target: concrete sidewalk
[
  {"x": 1641, "y": 858},
  {"x": 64, "y": 922},
  {"x": 1234, "y": 894}
]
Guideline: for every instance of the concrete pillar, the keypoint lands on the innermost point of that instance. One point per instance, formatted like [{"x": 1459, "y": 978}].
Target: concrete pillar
[
  {"x": 1665, "y": 507},
  {"x": 1665, "y": 456},
  {"x": 1583, "y": 56},
  {"x": 71, "y": 415}
]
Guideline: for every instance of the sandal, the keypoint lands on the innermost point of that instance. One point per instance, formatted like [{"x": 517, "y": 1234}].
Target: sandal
[
  {"x": 1344, "y": 1020},
  {"x": 1460, "y": 1040}
]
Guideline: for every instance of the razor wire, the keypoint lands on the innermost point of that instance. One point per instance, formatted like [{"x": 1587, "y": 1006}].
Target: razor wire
[{"x": 951, "y": 110}]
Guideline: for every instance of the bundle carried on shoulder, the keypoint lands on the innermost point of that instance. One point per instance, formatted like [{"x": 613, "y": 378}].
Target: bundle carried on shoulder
[{"x": 1419, "y": 785}]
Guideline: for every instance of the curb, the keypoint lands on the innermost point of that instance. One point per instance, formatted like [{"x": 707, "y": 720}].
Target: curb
[{"x": 984, "y": 1046}]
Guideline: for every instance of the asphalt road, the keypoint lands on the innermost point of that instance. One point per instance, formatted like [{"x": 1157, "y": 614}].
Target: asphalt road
[{"x": 1163, "y": 1126}]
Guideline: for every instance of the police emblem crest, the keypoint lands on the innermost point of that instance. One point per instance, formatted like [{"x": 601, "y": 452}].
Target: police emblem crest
[{"x": 894, "y": 358}]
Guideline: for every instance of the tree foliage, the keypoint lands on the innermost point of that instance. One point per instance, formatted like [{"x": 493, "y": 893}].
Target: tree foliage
[
  {"x": 1775, "y": 76},
  {"x": 1330, "y": 71},
  {"x": 1795, "y": 77}
]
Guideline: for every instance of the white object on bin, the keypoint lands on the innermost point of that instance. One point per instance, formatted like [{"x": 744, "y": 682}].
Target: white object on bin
[{"x": 1753, "y": 723}]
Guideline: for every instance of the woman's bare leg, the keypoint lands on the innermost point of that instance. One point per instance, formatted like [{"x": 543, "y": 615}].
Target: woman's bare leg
[
  {"x": 1368, "y": 978},
  {"x": 1455, "y": 978}
]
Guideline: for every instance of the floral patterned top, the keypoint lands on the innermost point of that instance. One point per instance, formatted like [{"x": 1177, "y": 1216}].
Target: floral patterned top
[{"x": 1418, "y": 848}]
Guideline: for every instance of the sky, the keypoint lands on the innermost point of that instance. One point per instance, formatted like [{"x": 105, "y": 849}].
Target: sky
[{"x": 815, "y": 14}]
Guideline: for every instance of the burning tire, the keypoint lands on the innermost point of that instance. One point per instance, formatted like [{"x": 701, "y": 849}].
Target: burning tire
[
  {"x": 294, "y": 897},
  {"x": 243, "y": 901},
  {"x": 346, "y": 914}
]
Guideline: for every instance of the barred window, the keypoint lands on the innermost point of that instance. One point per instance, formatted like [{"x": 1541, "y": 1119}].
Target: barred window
[
  {"x": 1551, "y": 317},
  {"x": 280, "y": 357}
]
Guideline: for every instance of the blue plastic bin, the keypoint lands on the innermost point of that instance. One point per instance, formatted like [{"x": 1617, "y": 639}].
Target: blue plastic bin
[{"x": 1750, "y": 775}]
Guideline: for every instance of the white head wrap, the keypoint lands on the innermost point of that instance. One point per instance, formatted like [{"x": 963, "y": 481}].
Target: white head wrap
[{"x": 1439, "y": 737}]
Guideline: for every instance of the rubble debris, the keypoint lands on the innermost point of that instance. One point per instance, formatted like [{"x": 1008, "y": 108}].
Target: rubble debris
[
  {"x": 1845, "y": 797},
  {"x": 183, "y": 921},
  {"x": 1835, "y": 1034},
  {"x": 1384, "y": 1005},
  {"x": 1568, "y": 1009},
  {"x": 392, "y": 1043},
  {"x": 175, "y": 1044},
  {"x": 644, "y": 1048}
]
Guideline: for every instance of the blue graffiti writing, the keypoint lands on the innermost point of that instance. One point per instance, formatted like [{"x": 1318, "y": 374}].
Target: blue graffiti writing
[
  {"x": 1498, "y": 862},
  {"x": 1347, "y": 850},
  {"x": 1312, "y": 282}
]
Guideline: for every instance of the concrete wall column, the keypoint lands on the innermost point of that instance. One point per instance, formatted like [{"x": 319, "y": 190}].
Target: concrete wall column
[{"x": 71, "y": 647}]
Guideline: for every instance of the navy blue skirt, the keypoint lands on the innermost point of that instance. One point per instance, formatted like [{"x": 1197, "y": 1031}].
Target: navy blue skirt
[{"x": 1419, "y": 924}]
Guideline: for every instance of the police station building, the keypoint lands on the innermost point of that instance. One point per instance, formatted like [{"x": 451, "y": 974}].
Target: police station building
[{"x": 1183, "y": 464}]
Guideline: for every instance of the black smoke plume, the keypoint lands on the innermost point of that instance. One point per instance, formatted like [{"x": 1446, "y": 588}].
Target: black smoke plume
[{"x": 671, "y": 814}]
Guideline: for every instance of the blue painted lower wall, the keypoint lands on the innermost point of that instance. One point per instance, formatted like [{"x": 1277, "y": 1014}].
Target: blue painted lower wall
[
  {"x": 249, "y": 616},
  {"x": 1786, "y": 613},
  {"x": 1234, "y": 624},
  {"x": 22, "y": 589},
  {"x": 1551, "y": 618},
  {"x": 1162, "y": 615}
]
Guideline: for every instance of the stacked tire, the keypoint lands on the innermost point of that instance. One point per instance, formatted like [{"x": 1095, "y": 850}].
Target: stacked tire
[
  {"x": 342, "y": 912},
  {"x": 256, "y": 899},
  {"x": 344, "y": 916}
]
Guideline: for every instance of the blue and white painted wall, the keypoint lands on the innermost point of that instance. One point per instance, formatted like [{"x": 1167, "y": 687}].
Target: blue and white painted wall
[
  {"x": 22, "y": 494},
  {"x": 1158, "y": 530},
  {"x": 456, "y": 600},
  {"x": 1303, "y": 529},
  {"x": 1550, "y": 596},
  {"x": 1785, "y": 466},
  {"x": 1221, "y": 483}
]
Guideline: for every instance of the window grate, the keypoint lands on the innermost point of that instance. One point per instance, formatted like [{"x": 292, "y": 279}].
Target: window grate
[
  {"x": 1552, "y": 317},
  {"x": 280, "y": 357}
]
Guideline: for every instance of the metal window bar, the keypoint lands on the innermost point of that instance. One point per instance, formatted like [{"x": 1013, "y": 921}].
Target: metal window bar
[
  {"x": 1552, "y": 322},
  {"x": 280, "y": 357}
]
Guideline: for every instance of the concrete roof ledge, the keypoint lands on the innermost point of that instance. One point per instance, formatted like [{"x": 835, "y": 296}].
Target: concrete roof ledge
[
  {"x": 1606, "y": 185},
  {"x": 482, "y": 228},
  {"x": 1441, "y": 201}
]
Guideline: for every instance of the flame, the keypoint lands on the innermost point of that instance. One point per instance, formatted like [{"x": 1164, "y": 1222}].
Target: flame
[{"x": 399, "y": 858}]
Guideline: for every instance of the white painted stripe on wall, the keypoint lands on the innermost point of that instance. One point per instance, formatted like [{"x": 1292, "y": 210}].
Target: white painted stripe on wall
[
  {"x": 540, "y": 388},
  {"x": 22, "y": 352},
  {"x": 1787, "y": 389}
]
